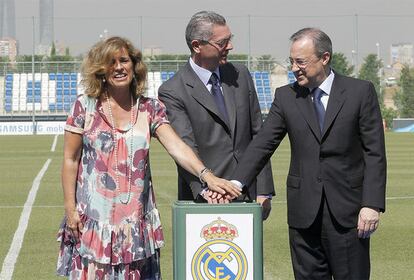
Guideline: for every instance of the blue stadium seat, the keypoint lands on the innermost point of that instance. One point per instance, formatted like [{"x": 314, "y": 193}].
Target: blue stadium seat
[
  {"x": 268, "y": 98},
  {"x": 73, "y": 92},
  {"x": 262, "y": 105},
  {"x": 259, "y": 83},
  {"x": 36, "y": 99},
  {"x": 73, "y": 84},
  {"x": 265, "y": 75},
  {"x": 52, "y": 76},
  {"x": 52, "y": 107},
  {"x": 257, "y": 75},
  {"x": 66, "y": 91},
  {"x": 164, "y": 76},
  {"x": 9, "y": 92},
  {"x": 261, "y": 98},
  {"x": 59, "y": 99},
  {"x": 170, "y": 74},
  {"x": 9, "y": 77},
  {"x": 260, "y": 90},
  {"x": 66, "y": 84},
  {"x": 38, "y": 84},
  {"x": 66, "y": 106},
  {"x": 59, "y": 107},
  {"x": 8, "y": 99},
  {"x": 59, "y": 91},
  {"x": 59, "y": 76},
  {"x": 59, "y": 85},
  {"x": 66, "y": 76},
  {"x": 37, "y": 92},
  {"x": 268, "y": 90},
  {"x": 266, "y": 83},
  {"x": 9, "y": 84},
  {"x": 73, "y": 76},
  {"x": 8, "y": 108}
]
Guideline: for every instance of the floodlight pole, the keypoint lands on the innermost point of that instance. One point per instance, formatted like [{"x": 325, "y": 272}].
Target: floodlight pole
[
  {"x": 140, "y": 34},
  {"x": 379, "y": 66},
  {"x": 356, "y": 43},
  {"x": 248, "y": 44},
  {"x": 33, "y": 78}
]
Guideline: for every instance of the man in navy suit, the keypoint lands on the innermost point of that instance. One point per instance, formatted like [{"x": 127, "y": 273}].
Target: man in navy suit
[{"x": 337, "y": 176}]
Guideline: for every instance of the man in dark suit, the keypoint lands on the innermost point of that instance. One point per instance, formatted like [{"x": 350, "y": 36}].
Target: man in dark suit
[
  {"x": 337, "y": 175},
  {"x": 216, "y": 118}
]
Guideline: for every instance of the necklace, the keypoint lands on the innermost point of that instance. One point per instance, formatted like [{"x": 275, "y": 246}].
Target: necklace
[{"x": 115, "y": 142}]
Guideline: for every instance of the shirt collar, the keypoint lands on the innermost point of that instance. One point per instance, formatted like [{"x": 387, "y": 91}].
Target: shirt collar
[
  {"x": 203, "y": 73},
  {"x": 326, "y": 85}
]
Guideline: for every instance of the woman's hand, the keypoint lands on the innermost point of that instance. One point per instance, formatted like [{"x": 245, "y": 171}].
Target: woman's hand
[
  {"x": 74, "y": 223},
  {"x": 221, "y": 186}
]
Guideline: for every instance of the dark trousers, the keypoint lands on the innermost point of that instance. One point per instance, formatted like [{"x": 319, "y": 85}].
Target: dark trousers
[{"x": 327, "y": 250}]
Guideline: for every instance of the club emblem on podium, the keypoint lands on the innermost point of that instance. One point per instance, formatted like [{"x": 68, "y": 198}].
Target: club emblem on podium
[{"x": 219, "y": 258}]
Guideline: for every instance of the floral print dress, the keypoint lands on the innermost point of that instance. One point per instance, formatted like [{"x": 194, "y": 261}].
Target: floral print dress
[{"x": 118, "y": 241}]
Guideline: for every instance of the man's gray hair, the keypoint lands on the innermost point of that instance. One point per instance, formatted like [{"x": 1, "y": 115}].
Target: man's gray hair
[
  {"x": 321, "y": 41},
  {"x": 201, "y": 25}
]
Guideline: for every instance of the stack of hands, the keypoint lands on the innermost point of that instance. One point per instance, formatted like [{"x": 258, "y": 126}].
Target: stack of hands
[{"x": 224, "y": 191}]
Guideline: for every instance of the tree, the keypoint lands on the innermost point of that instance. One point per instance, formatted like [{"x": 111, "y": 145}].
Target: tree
[
  {"x": 388, "y": 115},
  {"x": 405, "y": 97},
  {"x": 369, "y": 71},
  {"x": 53, "y": 50},
  {"x": 340, "y": 64},
  {"x": 172, "y": 57},
  {"x": 265, "y": 63},
  {"x": 236, "y": 56}
]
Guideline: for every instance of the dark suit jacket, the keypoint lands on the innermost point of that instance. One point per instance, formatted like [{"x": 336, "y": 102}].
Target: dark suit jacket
[
  {"x": 346, "y": 161},
  {"x": 194, "y": 116}
]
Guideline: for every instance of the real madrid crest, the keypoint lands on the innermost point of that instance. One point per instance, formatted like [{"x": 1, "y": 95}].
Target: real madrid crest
[{"x": 219, "y": 258}]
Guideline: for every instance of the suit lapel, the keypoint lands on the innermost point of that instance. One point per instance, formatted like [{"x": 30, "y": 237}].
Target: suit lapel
[
  {"x": 229, "y": 98},
  {"x": 335, "y": 102},
  {"x": 305, "y": 105},
  {"x": 200, "y": 93}
]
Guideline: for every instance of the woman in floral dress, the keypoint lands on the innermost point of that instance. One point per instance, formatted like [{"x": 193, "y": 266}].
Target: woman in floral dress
[{"x": 112, "y": 228}]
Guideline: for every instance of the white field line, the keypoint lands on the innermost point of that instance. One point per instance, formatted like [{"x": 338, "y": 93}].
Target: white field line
[
  {"x": 16, "y": 245},
  {"x": 53, "y": 148},
  {"x": 168, "y": 204}
]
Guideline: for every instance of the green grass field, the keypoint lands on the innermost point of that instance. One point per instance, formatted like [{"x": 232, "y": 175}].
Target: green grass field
[{"x": 22, "y": 157}]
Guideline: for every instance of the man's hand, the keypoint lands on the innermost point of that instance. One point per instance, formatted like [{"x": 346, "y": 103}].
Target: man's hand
[
  {"x": 368, "y": 220},
  {"x": 266, "y": 204},
  {"x": 213, "y": 197},
  {"x": 221, "y": 186}
]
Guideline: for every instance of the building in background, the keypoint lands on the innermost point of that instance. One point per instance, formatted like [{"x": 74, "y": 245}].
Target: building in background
[
  {"x": 8, "y": 48},
  {"x": 402, "y": 53},
  {"x": 7, "y": 19},
  {"x": 46, "y": 27}
]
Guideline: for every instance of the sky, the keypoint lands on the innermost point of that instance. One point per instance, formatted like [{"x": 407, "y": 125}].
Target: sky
[{"x": 259, "y": 26}]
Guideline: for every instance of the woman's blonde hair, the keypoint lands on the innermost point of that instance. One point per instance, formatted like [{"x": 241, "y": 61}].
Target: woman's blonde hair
[{"x": 99, "y": 59}]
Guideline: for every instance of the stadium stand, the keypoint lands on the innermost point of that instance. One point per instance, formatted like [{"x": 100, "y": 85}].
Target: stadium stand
[
  {"x": 263, "y": 88},
  {"x": 54, "y": 93}
]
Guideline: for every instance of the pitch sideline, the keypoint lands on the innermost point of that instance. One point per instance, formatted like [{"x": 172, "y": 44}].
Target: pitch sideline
[{"x": 11, "y": 257}]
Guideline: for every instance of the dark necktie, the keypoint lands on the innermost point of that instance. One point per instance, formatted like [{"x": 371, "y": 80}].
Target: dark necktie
[
  {"x": 317, "y": 103},
  {"x": 218, "y": 96}
]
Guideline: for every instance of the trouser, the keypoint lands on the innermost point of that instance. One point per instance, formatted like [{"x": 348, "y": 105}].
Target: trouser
[{"x": 327, "y": 250}]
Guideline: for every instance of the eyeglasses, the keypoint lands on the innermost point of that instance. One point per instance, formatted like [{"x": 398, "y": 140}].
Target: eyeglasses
[
  {"x": 300, "y": 63},
  {"x": 220, "y": 45}
]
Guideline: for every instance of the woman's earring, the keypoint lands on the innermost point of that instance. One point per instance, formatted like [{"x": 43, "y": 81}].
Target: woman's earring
[{"x": 104, "y": 80}]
